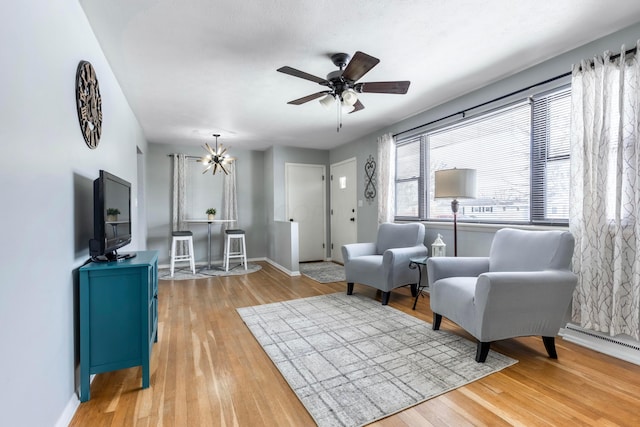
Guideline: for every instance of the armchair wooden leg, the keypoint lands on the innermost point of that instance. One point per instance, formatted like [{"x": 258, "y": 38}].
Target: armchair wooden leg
[
  {"x": 349, "y": 288},
  {"x": 437, "y": 319},
  {"x": 482, "y": 351},
  {"x": 385, "y": 298},
  {"x": 414, "y": 290},
  {"x": 550, "y": 346}
]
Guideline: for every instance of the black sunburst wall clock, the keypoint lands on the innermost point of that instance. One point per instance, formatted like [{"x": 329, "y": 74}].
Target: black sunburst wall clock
[{"x": 89, "y": 104}]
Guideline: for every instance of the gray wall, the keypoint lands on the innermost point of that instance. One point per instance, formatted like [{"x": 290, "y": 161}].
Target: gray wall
[
  {"x": 47, "y": 194},
  {"x": 205, "y": 191},
  {"x": 472, "y": 240},
  {"x": 275, "y": 160}
]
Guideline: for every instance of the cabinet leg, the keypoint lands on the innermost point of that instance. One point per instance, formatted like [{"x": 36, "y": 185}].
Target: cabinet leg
[
  {"x": 85, "y": 391},
  {"x": 145, "y": 375}
]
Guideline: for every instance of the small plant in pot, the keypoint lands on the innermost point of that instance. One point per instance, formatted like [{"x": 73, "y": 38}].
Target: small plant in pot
[
  {"x": 112, "y": 214},
  {"x": 211, "y": 213}
]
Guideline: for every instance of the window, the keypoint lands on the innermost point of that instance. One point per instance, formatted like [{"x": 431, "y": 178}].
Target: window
[{"x": 520, "y": 152}]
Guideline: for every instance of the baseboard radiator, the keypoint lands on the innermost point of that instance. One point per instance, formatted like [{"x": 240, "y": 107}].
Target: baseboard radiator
[{"x": 622, "y": 346}]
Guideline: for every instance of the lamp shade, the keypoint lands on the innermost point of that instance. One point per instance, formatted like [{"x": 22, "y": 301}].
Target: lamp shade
[
  {"x": 327, "y": 101},
  {"x": 349, "y": 97},
  {"x": 455, "y": 184}
]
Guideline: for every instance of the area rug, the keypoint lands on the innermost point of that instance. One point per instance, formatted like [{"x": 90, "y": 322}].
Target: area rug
[
  {"x": 351, "y": 360},
  {"x": 323, "y": 272},
  {"x": 203, "y": 273}
]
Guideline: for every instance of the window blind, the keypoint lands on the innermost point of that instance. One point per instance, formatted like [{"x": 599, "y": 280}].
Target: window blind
[{"x": 498, "y": 146}]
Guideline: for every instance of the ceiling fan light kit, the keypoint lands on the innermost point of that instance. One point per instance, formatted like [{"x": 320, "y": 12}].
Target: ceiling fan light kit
[
  {"x": 342, "y": 84},
  {"x": 328, "y": 101}
]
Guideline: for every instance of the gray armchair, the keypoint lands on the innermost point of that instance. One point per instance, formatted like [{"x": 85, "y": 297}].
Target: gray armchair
[
  {"x": 385, "y": 264},
  {"x": 522, "y": 288}
]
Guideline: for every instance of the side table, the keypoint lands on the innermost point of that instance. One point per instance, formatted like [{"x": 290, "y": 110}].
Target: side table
[{"x": 419, "y": 263}]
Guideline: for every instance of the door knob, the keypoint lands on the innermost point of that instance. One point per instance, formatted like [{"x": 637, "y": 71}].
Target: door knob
[
  {"x": 352, "y": 219},
  {"x": 291, "y": 219}
]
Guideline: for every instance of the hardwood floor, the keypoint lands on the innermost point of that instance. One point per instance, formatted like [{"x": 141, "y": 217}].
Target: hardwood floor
[{"x": 208, "y": 370}]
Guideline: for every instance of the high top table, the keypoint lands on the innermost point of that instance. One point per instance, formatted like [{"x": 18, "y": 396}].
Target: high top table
[{"x": 208, "y": 222}]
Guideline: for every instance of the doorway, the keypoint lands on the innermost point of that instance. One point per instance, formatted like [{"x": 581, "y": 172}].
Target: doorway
[
  {"x": 306, "y": 204},
  {"x": 344, "y": 213}
]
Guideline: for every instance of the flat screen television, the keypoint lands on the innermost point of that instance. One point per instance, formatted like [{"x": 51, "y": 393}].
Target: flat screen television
[{"x": 111, "y": 218}]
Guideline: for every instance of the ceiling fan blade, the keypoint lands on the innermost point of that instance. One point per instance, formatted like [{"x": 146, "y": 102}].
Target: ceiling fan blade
[
  {"x": 308, "y": 98},
  {"x": 357, "y": 107},
  {"x": 359, "y": 65},
  {"x": 301, "y": 74},
  {"x": 400, "y": 87}
]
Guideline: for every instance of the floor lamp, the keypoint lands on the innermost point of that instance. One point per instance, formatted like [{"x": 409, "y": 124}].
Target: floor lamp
[{"x": 455, "y": 184}]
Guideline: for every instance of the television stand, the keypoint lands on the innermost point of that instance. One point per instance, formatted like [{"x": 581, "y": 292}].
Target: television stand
[{"x": 118, "y": 317}]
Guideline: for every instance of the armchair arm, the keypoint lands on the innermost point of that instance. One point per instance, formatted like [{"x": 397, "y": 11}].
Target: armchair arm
[
  {"x": 400, "y": 256},
  {"x": 540, "y": 298},
  {"x": 443, "y": 267},
  {"x": 353, "y": 250}
]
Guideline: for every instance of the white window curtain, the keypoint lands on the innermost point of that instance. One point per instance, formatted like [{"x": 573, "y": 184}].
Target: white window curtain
[
  {"x": 179, "y": 200},
  {"x": 386, "y": 177},
  {"x": 230, "y": 204},
  {"x": 229, "y": 197},
  {"x": 605, "y": 197}
]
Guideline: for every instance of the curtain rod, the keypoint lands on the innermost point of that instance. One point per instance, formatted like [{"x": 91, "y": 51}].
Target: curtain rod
[
  {"x": 186, "y": 156},
  {"x": 615, "y": 56},
  {"x": 483, "y": 104}
]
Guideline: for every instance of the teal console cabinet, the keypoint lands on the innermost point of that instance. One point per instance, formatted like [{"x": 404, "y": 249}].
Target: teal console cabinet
[{"x": 118, "y": 316}]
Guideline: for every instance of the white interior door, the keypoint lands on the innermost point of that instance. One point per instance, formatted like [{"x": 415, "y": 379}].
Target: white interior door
[
  {"x": 306, "y": 205},
  {"x": 344, "y": 212}
]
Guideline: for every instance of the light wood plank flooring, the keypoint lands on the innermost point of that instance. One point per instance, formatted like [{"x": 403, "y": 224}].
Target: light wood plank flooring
[{"x": 208, "y": 370}]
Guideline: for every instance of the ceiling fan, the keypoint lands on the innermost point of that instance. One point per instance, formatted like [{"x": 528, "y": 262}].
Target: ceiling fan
[{"x": 341, "y": 84}]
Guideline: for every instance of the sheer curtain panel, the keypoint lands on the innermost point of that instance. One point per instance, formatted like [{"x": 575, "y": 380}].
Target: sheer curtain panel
[
  {"x": 386, "y": 178},
  {"x": 605, "y": 196},
  {"x": 179, "y": 199}
]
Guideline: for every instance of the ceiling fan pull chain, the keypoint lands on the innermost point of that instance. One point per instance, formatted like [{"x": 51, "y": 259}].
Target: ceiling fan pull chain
[{"x": 339, "y": 109}]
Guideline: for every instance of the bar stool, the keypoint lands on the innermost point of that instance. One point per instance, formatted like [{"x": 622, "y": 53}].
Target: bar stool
[
  {"x": 240, "y": 253},
  {"x": 179, "y": 236}
]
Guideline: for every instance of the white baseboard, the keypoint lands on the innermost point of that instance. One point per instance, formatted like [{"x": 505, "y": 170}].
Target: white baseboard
[
  {"x": 281, "y": 268},
  {"x": 621, "y": 347},
  {"x": 69, "y": 411}
]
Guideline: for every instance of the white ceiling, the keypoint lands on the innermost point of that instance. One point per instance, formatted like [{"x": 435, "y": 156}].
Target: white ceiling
[{"x": 192, "y": 68}]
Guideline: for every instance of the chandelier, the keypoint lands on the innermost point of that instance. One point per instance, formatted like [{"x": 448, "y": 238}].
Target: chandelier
[{"x": 216, "y": 158}]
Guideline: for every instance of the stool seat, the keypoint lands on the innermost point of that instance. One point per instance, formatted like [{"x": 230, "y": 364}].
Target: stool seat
[
  {"x": 235, "y": 234},
  {"x": 182, "y": 236},
  {"x": 234, "y": 231}
]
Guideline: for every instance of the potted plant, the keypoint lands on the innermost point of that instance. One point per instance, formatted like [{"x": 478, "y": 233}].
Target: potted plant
[
  {"x": 211, "y": 213},
  {"x": 112, "y": 214}
]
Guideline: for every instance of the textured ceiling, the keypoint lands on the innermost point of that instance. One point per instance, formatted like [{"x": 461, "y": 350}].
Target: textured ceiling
[{"x": 192, "y": 68}]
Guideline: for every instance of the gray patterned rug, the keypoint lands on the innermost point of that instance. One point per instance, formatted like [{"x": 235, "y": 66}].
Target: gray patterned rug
[
  {"x": 351, "y": 360},
  {"x": 184, "y": 273},
  {"x": 323, "y": 272}
]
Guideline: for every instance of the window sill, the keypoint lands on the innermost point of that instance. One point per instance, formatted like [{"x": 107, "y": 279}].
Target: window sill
[{"x": 484, "y": 227}]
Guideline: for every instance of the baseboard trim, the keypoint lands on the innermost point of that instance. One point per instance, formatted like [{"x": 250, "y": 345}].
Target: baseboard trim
[
  {"x": 69, "y": 411},
  {"x": 620, "y": 347},
  {"x": 281, "y": 268}
]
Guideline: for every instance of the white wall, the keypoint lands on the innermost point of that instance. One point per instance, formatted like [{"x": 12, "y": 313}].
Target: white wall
[{"x": 46, "y": 174}]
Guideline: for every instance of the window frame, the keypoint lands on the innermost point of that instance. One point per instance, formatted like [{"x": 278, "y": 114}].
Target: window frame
[{"x": 537, "y": 180}]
